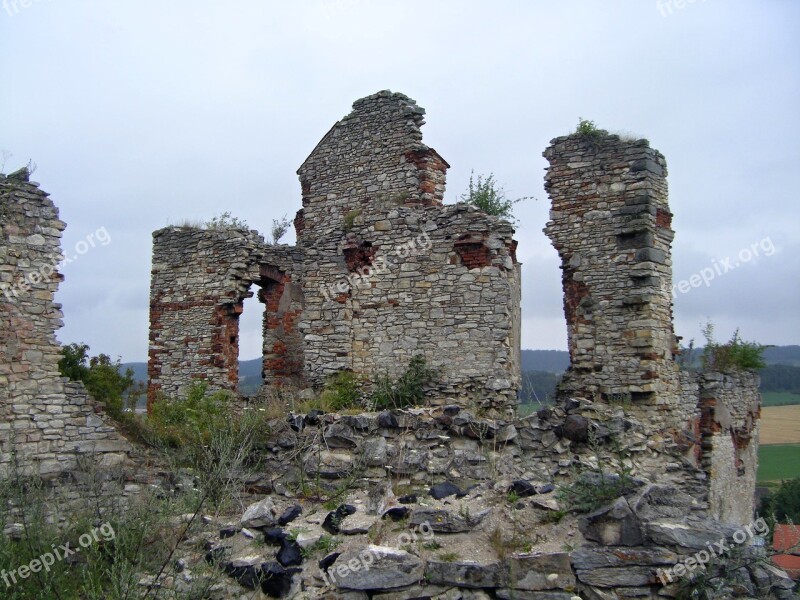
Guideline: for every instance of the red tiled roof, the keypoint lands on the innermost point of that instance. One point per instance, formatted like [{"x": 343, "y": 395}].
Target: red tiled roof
[
  {"x": 789, "y": 563},
  {"x": 786, "y": 537}
]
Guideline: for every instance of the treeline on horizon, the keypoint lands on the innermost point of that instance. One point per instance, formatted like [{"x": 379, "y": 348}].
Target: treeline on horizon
[{"x": 542, "y": 369}]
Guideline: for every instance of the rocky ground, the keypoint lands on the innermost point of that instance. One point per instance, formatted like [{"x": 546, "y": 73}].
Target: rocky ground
[{"x": 503, "y": 539}]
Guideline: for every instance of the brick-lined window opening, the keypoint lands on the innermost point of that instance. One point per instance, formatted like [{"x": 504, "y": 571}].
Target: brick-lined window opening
[
  {"x": 283, "y": 342},
  {"x": 472, "y": 251},
  {"x": 251, "y": 330},
  {"x": 358, "y": 256}
]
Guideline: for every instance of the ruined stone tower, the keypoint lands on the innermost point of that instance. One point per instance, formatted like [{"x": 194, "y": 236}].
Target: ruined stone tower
[
  {"x": 382, "y": 271},
  {"x": 46, "y": 422},
  {"x": 611, "y": 225}
]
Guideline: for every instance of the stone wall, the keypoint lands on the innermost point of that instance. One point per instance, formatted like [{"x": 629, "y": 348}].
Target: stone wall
[
  {"x": 731, "y": 407},
  {"x": 390, "y": 272},
  {"x": 46, "y": 423},
  {"x": 382, "y": 271},
  {"x": 476, "y": 508}
]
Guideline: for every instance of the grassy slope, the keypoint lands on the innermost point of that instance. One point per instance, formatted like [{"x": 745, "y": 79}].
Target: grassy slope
[{"x": 781, "y": 461}]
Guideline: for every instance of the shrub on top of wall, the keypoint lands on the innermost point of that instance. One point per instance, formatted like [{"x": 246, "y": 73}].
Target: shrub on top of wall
[{"x": 734, "y": 355}]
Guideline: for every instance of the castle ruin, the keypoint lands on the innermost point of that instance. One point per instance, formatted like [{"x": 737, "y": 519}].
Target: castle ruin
[{"x": 383, "y": 271}]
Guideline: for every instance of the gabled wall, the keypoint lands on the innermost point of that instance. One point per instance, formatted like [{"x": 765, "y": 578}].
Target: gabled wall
[{"x": 389, "y": 272}]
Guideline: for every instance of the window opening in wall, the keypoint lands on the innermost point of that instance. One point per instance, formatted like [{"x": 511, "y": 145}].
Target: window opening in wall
[{"x": 251, "y": 343}]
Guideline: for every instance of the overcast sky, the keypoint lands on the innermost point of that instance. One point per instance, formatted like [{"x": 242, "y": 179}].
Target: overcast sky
[{"x": 141, "y": 114}]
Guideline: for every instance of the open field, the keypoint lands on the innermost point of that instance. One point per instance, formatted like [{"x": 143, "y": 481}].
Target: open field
[
  {"x": 780, "y": 425},
  {"x": 779, "y": 398},
  {"x": 781, "y": 461}
]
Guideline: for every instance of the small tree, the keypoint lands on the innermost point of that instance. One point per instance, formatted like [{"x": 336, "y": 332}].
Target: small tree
[
  {"x": 279, "y": 228},
  {"x": 490, "y": 197}
]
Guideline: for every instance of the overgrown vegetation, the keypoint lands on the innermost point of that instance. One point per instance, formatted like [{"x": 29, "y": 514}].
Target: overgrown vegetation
[
  {"x": 190, "y": 420},
  {"x": 102, "y": 377},
  {"x": 117, "y": 541},
  {"x": 406, "y": 390},
  {"x": 488, "y": 196},
  {"x": 783, "y": 505},
  {"x": 342, "y": 392},
  {"x": 734, "y": 355},
  {"x": 197, "y": 430},
  {"x": 597, "y": 487},
  {"x": 226, "y": 221}
]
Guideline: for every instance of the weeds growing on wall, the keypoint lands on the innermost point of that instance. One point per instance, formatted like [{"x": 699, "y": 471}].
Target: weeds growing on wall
[
  {"x": 734, "y": 355},
  {"x": 226, "y": 221},
  {"x": 350, "y": 219},
  {"x": 587, "y": 129},
  {"x": 279, "y": 228},
  {"x": 406, "y": 390},
  {"x": 598, "y": 487}
]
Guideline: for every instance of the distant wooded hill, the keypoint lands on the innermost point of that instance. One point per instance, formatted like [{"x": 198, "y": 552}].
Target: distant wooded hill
[{"x": 541, "y": 370}]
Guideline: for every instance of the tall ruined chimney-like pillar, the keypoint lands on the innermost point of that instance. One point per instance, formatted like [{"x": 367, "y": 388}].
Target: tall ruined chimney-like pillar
[{"x": 610, "y": 223}]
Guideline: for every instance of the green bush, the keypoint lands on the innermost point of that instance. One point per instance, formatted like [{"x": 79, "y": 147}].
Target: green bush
[
  {"x": 406, "y": 390},
  {"x": 587, "y": 128},
  {"x": 343, "y": 391},
  {"x": 782, "y": 506},
  {"x": 735, "y": 355},
  {"x": 102, "y": 378},
  {"x": 193, "y": 419},
  {"x": 226, "y": 221},
  {"x": 485, "y": 194}
]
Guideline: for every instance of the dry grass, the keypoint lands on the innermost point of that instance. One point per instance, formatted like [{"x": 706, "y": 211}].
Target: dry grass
[{"x": 780, "y": 425}]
